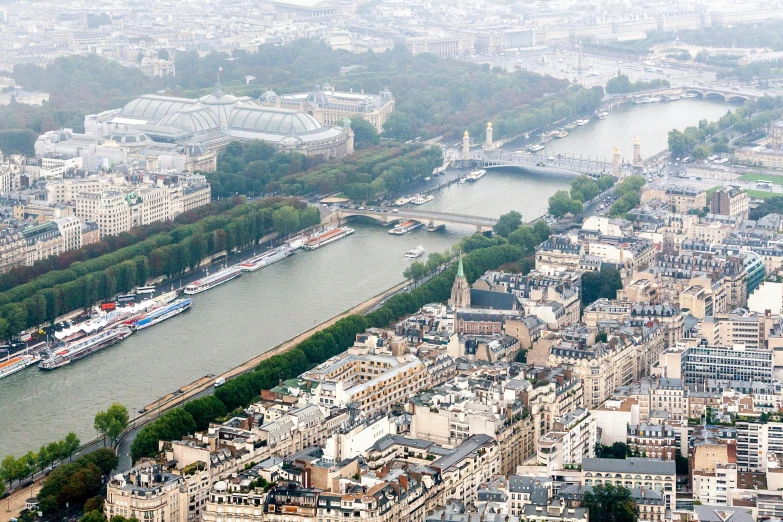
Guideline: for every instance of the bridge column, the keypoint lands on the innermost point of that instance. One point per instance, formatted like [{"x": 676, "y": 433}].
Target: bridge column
[
  {"x": 616, "y": 163},
  {"x": 637, "y": 153},
  {"x": 466, "y": 146}
]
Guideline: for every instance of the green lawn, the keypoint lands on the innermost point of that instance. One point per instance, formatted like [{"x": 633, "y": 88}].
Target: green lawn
[
  {"x": 754, "y": 176},
  {"x": 762, "y": 194}
]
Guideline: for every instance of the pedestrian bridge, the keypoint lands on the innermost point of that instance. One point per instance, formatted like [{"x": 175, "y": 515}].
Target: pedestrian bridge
[{"x": 432, "y": 220}]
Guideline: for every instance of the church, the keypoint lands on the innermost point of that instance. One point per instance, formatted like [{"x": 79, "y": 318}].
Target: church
[{"x": 463, "y": 297}]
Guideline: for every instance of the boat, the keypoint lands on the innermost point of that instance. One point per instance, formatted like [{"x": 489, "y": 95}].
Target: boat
[
  {"x": 688, "y": 95},
  {"x": 461, "y": 181},
  {"x": 403, "y": 201},
  {"x": 14, "y": 363},
  {"x": 161, "y": 314},
  {"x": 674, "y": 97},
  {"x": 421, "y": 199},
  {"x": 327, "y": 236},
  {"x": 570, "y": 126},
  {"x": 211, "y": 281},
  {"x": 416, "y": 252},
  {"x": 536, "y": 148},
  {"x": 266, "y": 259},
  {"x": 58, "y": 357},
  {"x": 582, "y": 122},
  {"x": 473, "y": 175},
  {"x": 404, "y": 227},
  {"x": 602, "y": 115},
  {"x": 561, "y": 134}
]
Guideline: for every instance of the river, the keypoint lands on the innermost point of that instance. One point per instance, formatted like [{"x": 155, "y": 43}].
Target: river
[{"x": 245, "y": 317}]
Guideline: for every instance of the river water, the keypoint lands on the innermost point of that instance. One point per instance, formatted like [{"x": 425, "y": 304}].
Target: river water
[{"x": 245, "y": 317}]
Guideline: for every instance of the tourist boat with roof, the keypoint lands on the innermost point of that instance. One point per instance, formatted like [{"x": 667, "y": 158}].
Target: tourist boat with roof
[
  {"x": 16, "y": 363},
  {"x": 404, "y": 227},
  {"x": 267, "y": 258},
  {"x": 211, "y": 281},
  {"x": 61, "y": 356},
  {"x": 162, "y": 313},
  {"x": 327, "y": 236},
  {"x": 416, "y": 252}
]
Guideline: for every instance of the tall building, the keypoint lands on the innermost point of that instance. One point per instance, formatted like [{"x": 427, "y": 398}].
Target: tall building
[
  {"x": 460, "y": 292},
  {"x": 147, "y": 493}
]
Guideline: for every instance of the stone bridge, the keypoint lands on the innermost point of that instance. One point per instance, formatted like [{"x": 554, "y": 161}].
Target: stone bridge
[
  {"x": 556, "y": 163},
  {"x": 432, "y": 220}
]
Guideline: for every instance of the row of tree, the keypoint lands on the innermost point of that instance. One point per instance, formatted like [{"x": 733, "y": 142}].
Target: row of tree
[
  {"x": 13, "y": 469},
  {"x": 752, "y": 116},
  {"x": 240, "y": 391},
  {"x": 621, "y": 84},
  {"x": 165, "y": 254},
  {"x": 76, "y": 481},
  {"x": 109, "y": 244},
  {"x": 628, "y": 192},
  {"x": 583, "y": 189}
]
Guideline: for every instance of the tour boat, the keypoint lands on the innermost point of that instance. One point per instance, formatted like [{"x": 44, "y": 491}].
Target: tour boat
[
  {"x": 266, "y": 259},
  {"x": 404, "y": 227},
  {"x": 688, "y": 95},
  {"x": 474, "y": 175},
  {"x": 561, "y": 134},
  {"x": 58, "y": 357},
  {"x": 421, "y": 199},
  {"x": 327, "y": 236},
  {"x": 14, "y": 363},
  {"x": 161, "y": 314},
  {"x": 416, "y": 252},
  {"x": 211, "y": 281},
  {"x": 403, "y": 201},
  {"x": 602, "y": 115},
  {"x": 536, "y": 148},
  {"x": 582, "y": 122}
]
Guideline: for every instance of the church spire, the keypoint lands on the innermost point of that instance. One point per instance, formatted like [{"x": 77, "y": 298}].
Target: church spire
[
  {"x": 460, "y": 270},
  {"x": 460, "y": 292}
]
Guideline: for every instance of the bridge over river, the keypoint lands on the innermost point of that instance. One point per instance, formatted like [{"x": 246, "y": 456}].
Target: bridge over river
[{"x": 432, "y": 220}]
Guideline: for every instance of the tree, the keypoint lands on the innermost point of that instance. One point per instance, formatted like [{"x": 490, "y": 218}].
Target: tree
[
  {"x": 415, "y": 271},
  {"x": 560, "y": 204},
  {"x": 507, "y": 223},
  {"x": 364, "y": 133},
  {"x": 92, "y": 516},
  {"x": 610, "y": 503},
  {"x": 94, "y": 504},
  {"x": 70, "y": 445},
  {"x": 163, "y": 54},
  {"x": 286, "y": 220},
  {"x": 596, "y": 285},
  {"x": 112, "y": 422},
  {"x": 399, "y": 126},
  {"x": 620, "y": 84}
]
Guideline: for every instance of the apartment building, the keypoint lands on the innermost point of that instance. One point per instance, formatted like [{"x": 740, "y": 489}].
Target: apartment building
[
  {"x": 558, "y": 254},
  {"x": 470, "y": 464},
  {"x": 730, "y": 202},
  {"x": 656, "y": 441},
  {"x": 657, "y": 475},
  {"x": 701, "y": 362},
  {"x": 756, "y": 442},
  {"x": 43, "y": 241},
  {"x": 13, "y": 250},
  {"x": 109, "y": 210},
  {"x": 572, "y": 439},
  {"x": 147, "y": 493}
]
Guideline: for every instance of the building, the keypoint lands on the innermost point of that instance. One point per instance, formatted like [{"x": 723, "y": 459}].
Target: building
[
  {"x": 13, "y": 250},
  {"x": 43, "y": 241},
  {"x": 657, "y": 475},
  {"x": 305, "y": 9},
  {"x": 148, "y": 493},
  {"x": 109, "y": 210},
  {"x": 572, "y": 439},
  {"x": 757, "y": 443},
  {"x": 558, "y": 254},
  {"x": 730, "y": 202},
  {"x": 19, "y": 95},
  {"x": 739, "y": 362},
  {"x": 331, "y": 107},
  {"x": 460, "y": 291},
  {"x": 211, "y": 122},
  {"x": 656, "y": 441},
  {"x": 71, "y": 231}
]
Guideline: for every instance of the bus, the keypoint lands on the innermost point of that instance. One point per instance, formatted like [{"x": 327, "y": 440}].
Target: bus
[
  {"x": 763, "y": 183},
  {"x": 145, "y": 290}
]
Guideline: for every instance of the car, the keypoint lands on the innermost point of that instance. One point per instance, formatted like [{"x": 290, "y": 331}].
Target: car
[
  {"x": 324, "y": 205},
  {"x": 395, "y": 210},
  {"x": 550, "y": 158},
  {"x": 360, "y": 208}
]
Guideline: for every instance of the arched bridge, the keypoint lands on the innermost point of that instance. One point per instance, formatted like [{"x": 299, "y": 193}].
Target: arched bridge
[
  {"x": 555, "y": 163},
  {"x": 429, "y": 219},
  {"x": 725, "y": 95}
]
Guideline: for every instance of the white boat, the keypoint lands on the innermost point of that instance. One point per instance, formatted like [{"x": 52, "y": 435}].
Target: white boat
[
  {"x": 211, "y": 281},
  {"x": 403, "y": 201},
  {"x": 536, "y": 148},
  {"x": 161, "y": 314},
  {"x": 461, "y": 181},
  {"x": 421, "y": 199},
  {"x": 57, "y": 357},
  {"x": 405, "y": 227},
  {"x": 15, "y": 363},
  {"x": 674, "y": 97},
  {"x": 582, "y": 122},
  {"x": 688, "y": 95},
  {"x": 266, "y": 259},
  {"x": 561, "y": 134},
  {"x": 327, "y": 236},
  {"x": 416, "y": 252},
  {"x": 602, "y": 115},
  {"x": 474, "y": 175}
]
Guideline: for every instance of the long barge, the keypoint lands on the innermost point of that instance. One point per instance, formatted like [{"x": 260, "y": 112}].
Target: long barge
[
  {"x": 159, "y": 315},
  {"x": 266, "y": 259},
  {"x": 59, "y": 357},
  {"x": 326, "y": 237},
  {"x": 211, "y": 281}
]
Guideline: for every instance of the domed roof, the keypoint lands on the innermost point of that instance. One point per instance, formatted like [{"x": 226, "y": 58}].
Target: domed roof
[
  {"x": 218, "y": 97},
  {"x": 129, "y": 137},
  {"x": 272, "y": 121},
  {"x": 152, "y": 107},
  {"x": 193, "y": 120}
]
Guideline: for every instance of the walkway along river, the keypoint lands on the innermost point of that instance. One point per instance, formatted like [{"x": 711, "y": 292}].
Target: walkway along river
[{"x": 243, "y": 318}]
